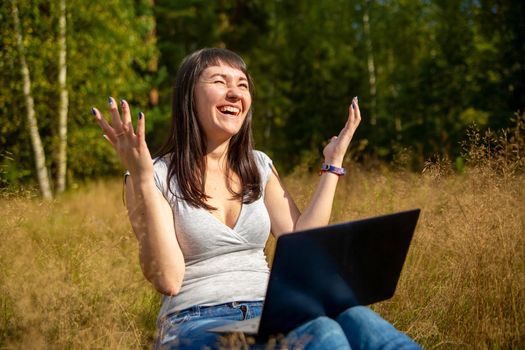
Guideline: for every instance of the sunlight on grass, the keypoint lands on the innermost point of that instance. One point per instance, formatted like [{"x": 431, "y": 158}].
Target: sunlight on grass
[{"x": 70, "y": 277}]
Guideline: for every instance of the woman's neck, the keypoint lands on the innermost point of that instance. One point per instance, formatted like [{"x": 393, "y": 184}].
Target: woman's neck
[{"x": 216, "y": 155}]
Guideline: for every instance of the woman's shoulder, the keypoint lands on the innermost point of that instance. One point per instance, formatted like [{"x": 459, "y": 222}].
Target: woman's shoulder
[
  {"x": 161, "y": 162},
  {"x": 160, "y": 169},
  {"x": 264, "y": 163},
  {"x": 261, "y": 157}
]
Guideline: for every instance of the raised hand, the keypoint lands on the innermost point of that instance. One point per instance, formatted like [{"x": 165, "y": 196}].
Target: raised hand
[
  {"x": 130, "y": 145},
  {"x": 335, "y": 151}
]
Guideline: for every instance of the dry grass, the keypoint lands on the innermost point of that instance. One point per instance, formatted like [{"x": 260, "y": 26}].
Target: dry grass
[
  {"x": 69, "y": 274},
  {"x": 70, "y": 278},
  {"x": 463, "y": 285}
]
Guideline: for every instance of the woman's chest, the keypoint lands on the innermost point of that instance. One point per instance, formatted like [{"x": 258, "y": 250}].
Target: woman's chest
[
  {"x": 220, "y": 191},
  {"x": 201, "y": 234}
]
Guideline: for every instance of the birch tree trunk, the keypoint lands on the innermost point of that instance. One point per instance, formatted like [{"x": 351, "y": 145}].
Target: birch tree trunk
[
  {"x": 36, "y": 142},
  {"x": 371, "y": 66},
  {"x": 64, "y": 101}
]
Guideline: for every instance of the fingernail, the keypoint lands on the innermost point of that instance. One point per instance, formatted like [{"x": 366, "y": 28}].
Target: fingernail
[
  {"x": 141, "y": 115},
  {"x": 356, "y": 99},
  {"x": 110, "y": 101},
  {"x": 93, "y": 111},
  {"x": 122, "y": 102},
  {"x": 105, "y": 136}
]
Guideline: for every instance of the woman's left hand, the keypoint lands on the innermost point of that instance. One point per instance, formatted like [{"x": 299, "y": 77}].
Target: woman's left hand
[{"x": 335, "y": 151}]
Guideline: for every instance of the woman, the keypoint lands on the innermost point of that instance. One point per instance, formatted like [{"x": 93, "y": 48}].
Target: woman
[{"x": 202, "y": 211}]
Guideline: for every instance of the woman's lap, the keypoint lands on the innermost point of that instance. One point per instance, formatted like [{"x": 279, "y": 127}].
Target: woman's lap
[
  {"x": 356, "y": 328},
  {"x": 188, "y": 329},
  {"x": 194, "y": 334},
  {"x": 365, "y": 329},
  {"x": 320, "y": 333}
]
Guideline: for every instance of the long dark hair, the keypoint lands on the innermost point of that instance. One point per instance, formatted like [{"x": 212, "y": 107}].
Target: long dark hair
[{"x": 186, "y": 143}]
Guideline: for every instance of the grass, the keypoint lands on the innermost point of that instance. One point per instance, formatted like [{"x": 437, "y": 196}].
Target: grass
[
  {"x": 69, "y": 274},
  {"x": 70, "y": 278},
  {"x": 463, "y": 285}
]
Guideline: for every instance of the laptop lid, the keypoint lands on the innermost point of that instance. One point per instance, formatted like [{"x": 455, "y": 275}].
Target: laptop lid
[{"x": 324, "y": 271}]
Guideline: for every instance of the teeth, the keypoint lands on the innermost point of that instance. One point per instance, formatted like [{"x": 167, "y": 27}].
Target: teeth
[{"x": 231, "y": 109}]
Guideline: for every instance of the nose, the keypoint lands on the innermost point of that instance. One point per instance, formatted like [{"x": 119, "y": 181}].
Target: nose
[{"x": 234, "y": 92}]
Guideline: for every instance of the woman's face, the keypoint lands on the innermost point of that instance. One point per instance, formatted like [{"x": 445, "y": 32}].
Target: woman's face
[{"x": 222, "y": 99}]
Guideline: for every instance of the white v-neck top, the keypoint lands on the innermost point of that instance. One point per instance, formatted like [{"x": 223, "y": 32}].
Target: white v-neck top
[{"x": 223, "y": 264}]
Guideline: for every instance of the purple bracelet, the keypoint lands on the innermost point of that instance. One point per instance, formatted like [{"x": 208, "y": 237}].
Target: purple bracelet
[{"x": 332, "y": 169}]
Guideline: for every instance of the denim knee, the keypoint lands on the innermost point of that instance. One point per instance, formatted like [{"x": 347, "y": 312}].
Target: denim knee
[
  {"x": 320, "y": 333},
  {"x": 365, "y": 329}
]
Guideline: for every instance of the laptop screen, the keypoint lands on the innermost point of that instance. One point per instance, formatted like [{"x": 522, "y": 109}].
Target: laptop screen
[{"x": 324, "y": 271}]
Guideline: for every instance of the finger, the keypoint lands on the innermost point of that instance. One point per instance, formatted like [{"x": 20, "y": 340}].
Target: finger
[
  {"x": 126, "y": 115},
  {"x": 141, "y": 127},
  {"x": 332, "y": 139},
  {"x": 347, "y": 131},
  {"x": 355, "y": 105},
  {"x": 344, "y": 134},
  {"x": 351, "y": 114},
  {"x": 109, "y": 133},
  {"x": 116, "y": 122},
  {"x": 106, "y": 128},
  {"x": 108, "y": 140}
]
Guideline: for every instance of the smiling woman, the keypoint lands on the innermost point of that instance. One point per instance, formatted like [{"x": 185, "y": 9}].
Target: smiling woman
[
  {"x": 204, "y": 208},
  {"x": 203, "y": 138},
  {"x": 223, "y": 99}
]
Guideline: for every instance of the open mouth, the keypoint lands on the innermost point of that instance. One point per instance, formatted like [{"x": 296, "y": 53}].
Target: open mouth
[{"x": 229, "y": 110}]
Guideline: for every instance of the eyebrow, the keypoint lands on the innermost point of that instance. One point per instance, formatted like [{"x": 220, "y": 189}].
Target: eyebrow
[{"x": 225, "y": 76}]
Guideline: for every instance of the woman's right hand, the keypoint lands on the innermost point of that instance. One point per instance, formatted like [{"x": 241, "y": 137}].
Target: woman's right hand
[
  {"x": 130, "y": 145},
  {"x": 150, "y": 214}
]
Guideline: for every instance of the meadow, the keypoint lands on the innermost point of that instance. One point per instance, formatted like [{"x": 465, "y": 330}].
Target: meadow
[{"x": 70, "y": 277}]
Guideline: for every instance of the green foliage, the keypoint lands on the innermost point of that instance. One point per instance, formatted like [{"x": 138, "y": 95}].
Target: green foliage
[
  {"x": 320, "y": 71},
  {"x": 436, "y": 71},
  {"x": 108, "y": 53},
  {"x": 439, "y": 66}
]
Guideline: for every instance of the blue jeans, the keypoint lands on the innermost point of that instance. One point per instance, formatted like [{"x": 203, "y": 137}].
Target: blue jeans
[{"x": 356, "y": 328}]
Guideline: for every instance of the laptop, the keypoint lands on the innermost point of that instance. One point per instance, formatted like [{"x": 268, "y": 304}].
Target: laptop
[{"x": 326, "y": 270}]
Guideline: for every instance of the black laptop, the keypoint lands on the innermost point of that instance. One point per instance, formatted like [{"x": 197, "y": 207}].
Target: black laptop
[{"x": 324, "y": 271}]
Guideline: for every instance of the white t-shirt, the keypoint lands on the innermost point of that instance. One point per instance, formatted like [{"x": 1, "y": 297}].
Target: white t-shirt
[{"x": 222, "y": 264}]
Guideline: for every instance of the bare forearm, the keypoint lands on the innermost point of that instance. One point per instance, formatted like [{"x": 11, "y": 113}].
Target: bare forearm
[
  {"x": 151, "y": 218},
  {"x": 318, "y": 211},
  {"x": 284, "y": 214}
]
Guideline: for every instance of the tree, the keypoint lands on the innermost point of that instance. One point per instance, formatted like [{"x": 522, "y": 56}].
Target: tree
[
  {"x": 423, "y": 70},
  {"x": 64, "y": 101},
  {"x": 110, "y": 51},
  {"x": 370, "y": 62},
  {"x": 36, "y": 142}
]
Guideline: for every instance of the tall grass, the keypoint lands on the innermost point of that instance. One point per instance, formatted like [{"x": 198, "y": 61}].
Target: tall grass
[
  {"x": 70, "y": 277},
  {"x": 463, "y": 284},
  {"x": 69, "y": 274}
]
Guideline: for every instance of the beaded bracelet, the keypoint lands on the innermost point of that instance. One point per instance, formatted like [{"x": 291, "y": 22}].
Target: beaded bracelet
[{"x": 327, "y": 168}]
